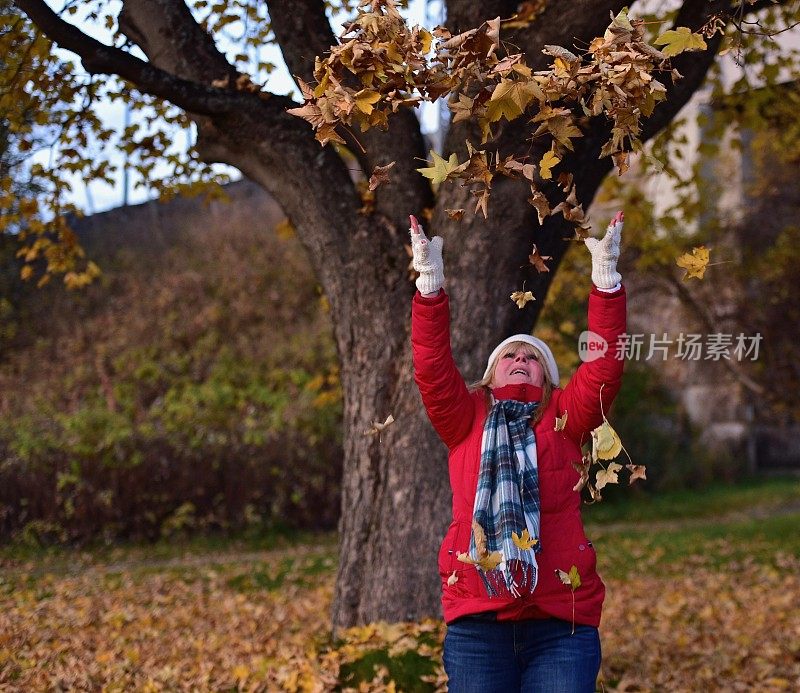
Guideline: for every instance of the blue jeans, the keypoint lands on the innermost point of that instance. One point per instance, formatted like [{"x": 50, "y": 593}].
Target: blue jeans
[{"x": 533, "y": 656}]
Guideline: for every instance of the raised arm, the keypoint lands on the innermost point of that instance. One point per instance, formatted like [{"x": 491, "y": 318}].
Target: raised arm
[
  {"x": 444, "y": 393},
  {"x": 607, "y": 319}
]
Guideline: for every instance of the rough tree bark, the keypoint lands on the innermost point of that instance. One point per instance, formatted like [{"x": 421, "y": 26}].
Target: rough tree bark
[{"x": 395, "y": 501}]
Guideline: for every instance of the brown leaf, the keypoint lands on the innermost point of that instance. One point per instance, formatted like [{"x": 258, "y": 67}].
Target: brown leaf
[
  {"x": 538, "y": 261},
  {"x": 380, "y": 175},
  {"x": 480, "y": 539},
  {"x": 638, "y": 471},
  {"x": 455, "y": 214},
  {"x": 540, "y": 202},
  {"x": 522, "y": 297}
]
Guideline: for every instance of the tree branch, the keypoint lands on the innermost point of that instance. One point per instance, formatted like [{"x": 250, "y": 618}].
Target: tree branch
[
  {"x": 463, "y": 15},
  {"x": 564, "y": 24},
  {"x": 98, "y": 58},
  {"x": 303, "y": 32},
  {"x": 693, "y": 66}
]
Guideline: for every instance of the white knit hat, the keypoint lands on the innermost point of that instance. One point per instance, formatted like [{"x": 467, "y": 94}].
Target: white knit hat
[{"x": 549, "y": 361}]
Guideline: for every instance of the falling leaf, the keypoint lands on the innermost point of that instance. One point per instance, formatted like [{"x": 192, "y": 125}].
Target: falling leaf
[
  {"x": 540, "y": 202},
  {"x": 524, "y": 541},
  {"x": 621, "y": 161},
  {"x": 377, "y": 428},
  {"x": 537, "y": 260},
  {"x": 526, "y": 13},
  {"x": 483, "y": 201},
  {"x": 621, "y": 21},
  {"x": 679, "y": 40},
  {"x": 582, "y": 468},
  {"x": 480, "y": 539},
  {"x": 453, "y": 579},
  {"x": 606, "y": 444},
  {"x": 491, "y": 561},
  {"x": 695, "y": 263},
  {"x": 638, "y": 471},
  {"x": 549, "y": 160},
  {"x": 380, "y": 175},
  {"x": 455, "y": 214},
  {"x": 441, "y": 168},
  {"x": 488, "y": 562},
  {"x": 572, "y": 579},
  {"x": 521, "y": 298},
  {"x": 608, "y": 475},
  {"x": 559, "y": 52},
  {"x": 510, "y": 98},
  {"x": 561, "y": 422},
  {"x": 365, "y": 100}
]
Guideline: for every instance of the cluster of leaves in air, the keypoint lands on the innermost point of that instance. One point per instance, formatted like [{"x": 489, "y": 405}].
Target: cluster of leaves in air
[
  {"x": 382, "y": 65},
  {"x": 606, "y": 447}
]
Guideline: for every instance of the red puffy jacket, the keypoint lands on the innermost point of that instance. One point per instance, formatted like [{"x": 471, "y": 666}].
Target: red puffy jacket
[{"x": 458, "y": 417}]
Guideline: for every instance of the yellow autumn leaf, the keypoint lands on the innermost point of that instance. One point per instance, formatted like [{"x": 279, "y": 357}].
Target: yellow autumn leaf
[
  {"x": 524, "y": 541},
  {"x": 491, "y": 561},
  {"x": 608, "y": 475},
  {"x": 464, "y": 557},
  {"x": 572, "y": 579},
  {"x": 510, "y": 98},
  {"x": 480, "y": 539},
  {"x": 364, "y": 100},
  {"x": 606, "y": 444},
  {"x": 426, "y": 38},
  {"x": 441, "y": 168},
  {"x": 521, "y": 298},
  {"x": 679, "y": 40},
  {"x": 561, "y": 422},
  {"x": 546, "y": 164},
  {"x": 695, "y": 263},
  {"x": 453, "y": 579}
]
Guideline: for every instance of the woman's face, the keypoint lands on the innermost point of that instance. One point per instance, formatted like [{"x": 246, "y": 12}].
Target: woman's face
[{"x": 518, "y": 363}]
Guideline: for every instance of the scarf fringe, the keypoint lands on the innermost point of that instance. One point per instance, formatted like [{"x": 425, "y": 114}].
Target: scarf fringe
[{"x": 517, "y": 578}]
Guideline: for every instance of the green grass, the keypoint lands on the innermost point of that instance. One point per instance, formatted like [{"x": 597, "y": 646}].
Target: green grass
[
  {"x": 638, "y": 550},
  {"x": 631, "y": 504},
  {"x": 633, "y": 532}
]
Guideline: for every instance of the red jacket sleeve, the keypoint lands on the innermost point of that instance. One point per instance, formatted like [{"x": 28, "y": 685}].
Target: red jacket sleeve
[
  {"x": 444, "y": 393},
  {"x": 581, "y": 396}
]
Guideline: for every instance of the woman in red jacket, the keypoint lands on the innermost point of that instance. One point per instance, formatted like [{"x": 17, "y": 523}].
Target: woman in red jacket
[{"x": 513, "y": 625}]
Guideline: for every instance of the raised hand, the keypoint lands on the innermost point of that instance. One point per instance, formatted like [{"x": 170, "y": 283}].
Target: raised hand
[
  {"x": 605, "y": 253},
  {"x": 427, "y": 258}
]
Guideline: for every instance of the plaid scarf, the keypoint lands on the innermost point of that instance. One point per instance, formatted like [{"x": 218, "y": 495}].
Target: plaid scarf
[{"x": 507, "y": 501}]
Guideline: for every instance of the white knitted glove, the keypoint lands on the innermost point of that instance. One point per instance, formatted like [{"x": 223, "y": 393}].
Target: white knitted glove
[
  {"x": 605, "y": 253},
  {"x": 427, "y": 259}
]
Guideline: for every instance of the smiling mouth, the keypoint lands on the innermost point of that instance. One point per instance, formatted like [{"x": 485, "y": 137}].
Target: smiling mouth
[{"x": 520, "y": 371}]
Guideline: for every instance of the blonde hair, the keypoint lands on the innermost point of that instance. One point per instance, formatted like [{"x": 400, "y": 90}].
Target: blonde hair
[{"x": 529, "y": 350}]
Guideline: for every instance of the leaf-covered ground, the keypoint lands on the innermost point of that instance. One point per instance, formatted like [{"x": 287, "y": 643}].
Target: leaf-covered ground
[{"x": 709, "y": 605}]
